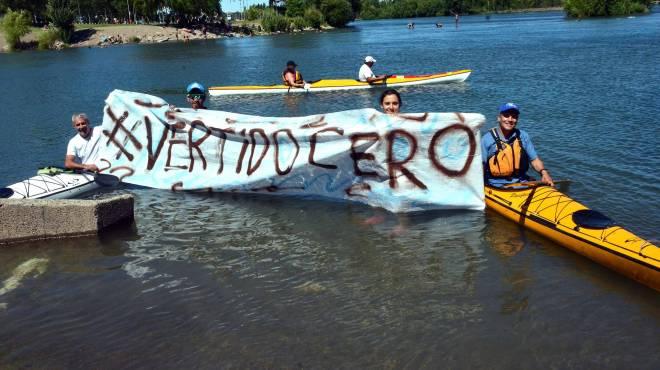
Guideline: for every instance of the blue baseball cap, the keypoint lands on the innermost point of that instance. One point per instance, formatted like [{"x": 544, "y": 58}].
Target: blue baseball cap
[
  {"x": 509, "y": 106},
  {"x": 196, "y": 86}
]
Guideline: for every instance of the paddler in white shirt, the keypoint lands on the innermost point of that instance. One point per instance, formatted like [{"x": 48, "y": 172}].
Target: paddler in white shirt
[
  {"x": 366, "y": 74},
  {"x": 83, "y": 148}
]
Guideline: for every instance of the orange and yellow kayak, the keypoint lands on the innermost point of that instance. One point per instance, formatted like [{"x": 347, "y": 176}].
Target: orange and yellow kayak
[
  {"x": 556, "y": 216},
  {"x": 345, "y": 84}
]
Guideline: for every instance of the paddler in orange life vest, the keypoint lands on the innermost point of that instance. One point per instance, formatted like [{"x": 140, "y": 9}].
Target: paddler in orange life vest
[
  {"x": 508, "y": 151},
  {"x": 292, "y": 78}
]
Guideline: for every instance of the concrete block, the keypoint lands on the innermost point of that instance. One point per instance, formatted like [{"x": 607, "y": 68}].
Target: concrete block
[{"x": 33, "y": 219}]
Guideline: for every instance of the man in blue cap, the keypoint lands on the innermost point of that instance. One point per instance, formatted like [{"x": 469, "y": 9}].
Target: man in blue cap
[
  {"x": 196, "y": 94},
  {"x": 507, "y": 151}
]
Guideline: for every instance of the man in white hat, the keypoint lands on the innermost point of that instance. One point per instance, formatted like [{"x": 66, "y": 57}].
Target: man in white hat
[{"x": 366, "y": 74}]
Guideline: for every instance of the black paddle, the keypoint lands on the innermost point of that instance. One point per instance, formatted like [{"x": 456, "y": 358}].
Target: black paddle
[
  {"x": 104, "y": 179},
  {"x": 529, "y": 184}
]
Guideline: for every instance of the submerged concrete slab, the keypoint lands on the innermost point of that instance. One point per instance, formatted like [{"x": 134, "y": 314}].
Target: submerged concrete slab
[{"x": 33, "y": 219}]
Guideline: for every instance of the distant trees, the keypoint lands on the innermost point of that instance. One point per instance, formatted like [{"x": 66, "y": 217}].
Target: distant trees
[
  {"x": 272, "y": 21},
  {"x": 299, "y": 13},
  {"x": 254, "y": 12},
  {"x": 306, "y": 13},
  {"x": 15, "y": 24},
  {"x": 60, "y": 14},
  {"x": 372, "y": 9},
  {"x": 295, "y": 8},
  {"x": 314, "y": 17},
  {"x": 597, "y": 8},
  {"x": 126, "y": 11},
  {"x": 301, "y": 16},
  {"x": 35, "y": 8},
  {"x": 337, "y": 12}
]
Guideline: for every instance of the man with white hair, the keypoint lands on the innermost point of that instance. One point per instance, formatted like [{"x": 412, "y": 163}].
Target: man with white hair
[
  {"x": 82, "y": 151},
  {"x": 367, "y": 75}
]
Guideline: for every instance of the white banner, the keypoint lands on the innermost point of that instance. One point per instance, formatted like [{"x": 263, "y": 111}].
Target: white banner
[{"x": 405, "y": 163}]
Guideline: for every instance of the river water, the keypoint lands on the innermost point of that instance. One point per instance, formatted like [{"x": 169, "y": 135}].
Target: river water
[{"x": 225, "y": 280}]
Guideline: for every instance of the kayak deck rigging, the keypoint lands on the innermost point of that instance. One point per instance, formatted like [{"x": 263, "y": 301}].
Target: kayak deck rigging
[{"x": 558, "y": 217}]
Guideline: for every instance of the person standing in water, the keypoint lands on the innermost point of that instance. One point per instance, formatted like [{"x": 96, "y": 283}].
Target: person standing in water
[
  {"x": 196, "y": 95},
  {"x": 390, "y": 101}
]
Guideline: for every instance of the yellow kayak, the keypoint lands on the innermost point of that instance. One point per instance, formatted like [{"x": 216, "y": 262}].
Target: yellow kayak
[
  {"x": 345, "y": 84},
  {"x": 556, "y": 216}
]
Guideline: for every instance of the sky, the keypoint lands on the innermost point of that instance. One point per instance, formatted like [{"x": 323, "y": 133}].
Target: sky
[{"x": 229, "y": 6}]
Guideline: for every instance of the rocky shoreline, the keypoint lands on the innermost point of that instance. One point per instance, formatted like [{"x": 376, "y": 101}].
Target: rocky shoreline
[{"x": 109, "y": 35}]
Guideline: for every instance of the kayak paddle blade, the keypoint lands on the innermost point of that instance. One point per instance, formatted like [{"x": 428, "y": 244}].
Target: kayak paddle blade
[
  {"x": 106, "y": 180},
  {"x": 6, "y": 192}
]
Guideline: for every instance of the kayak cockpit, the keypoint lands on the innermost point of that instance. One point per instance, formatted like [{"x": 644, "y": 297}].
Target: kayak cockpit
[
  {"x": 6, "y": 192},
  {"x": 591, "y": 219}
]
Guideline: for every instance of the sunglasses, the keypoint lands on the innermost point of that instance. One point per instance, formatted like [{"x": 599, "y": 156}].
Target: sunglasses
[
  {"x": 509, "y": 115},
  {"x": 196, "y": 96}
]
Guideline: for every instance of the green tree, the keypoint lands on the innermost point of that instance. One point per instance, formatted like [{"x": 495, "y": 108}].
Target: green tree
[
  {"x": 273, "y": 21},
  {"x": 61, "y": 15},
  {"x": 15, "y": 24},
  {"x": 313, "y": 17},
  {"x": 295, "y": 8},
  {"x": 47, "y": 39},
  {"x": 597, "y": 8},
  {"x": 337, "y": 12},
  {"x": 254, "y": 12},
  {"x": 356, "y": 5},
  {"x": 430, "y": 8},
  {"x": 34, "y": 7},
  {"x": 370, "y": 9},
  {"x": 145, "y": 9},
  {"x": 194, "y": 7}
]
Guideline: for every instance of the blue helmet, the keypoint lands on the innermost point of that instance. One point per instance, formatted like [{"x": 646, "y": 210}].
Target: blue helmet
[{"x": 196, "y": 86}]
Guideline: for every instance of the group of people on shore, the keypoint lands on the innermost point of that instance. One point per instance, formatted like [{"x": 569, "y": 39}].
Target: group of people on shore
[{"x": 507, "y": 151}]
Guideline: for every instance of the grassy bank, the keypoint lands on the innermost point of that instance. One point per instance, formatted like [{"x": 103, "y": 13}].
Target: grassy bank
[{"x": 89, "y": 35}]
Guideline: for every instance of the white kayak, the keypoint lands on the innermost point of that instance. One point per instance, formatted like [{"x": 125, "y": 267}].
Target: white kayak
[
  {"x": 58, "y": 186},
  {"x": 345, "y": 84}
]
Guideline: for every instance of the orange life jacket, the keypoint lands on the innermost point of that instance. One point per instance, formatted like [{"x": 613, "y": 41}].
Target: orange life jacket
[
  {"x": 298, "y": 79},
  {"x": 506, "y": 161}
]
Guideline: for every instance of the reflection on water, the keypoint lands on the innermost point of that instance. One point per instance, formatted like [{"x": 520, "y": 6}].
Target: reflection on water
[
  {"x": 507, "y": 240},
  {"x": 259, "y": 281},
  {"x": 245, "y": 236},
  {"x": 415, "y": 99}
]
